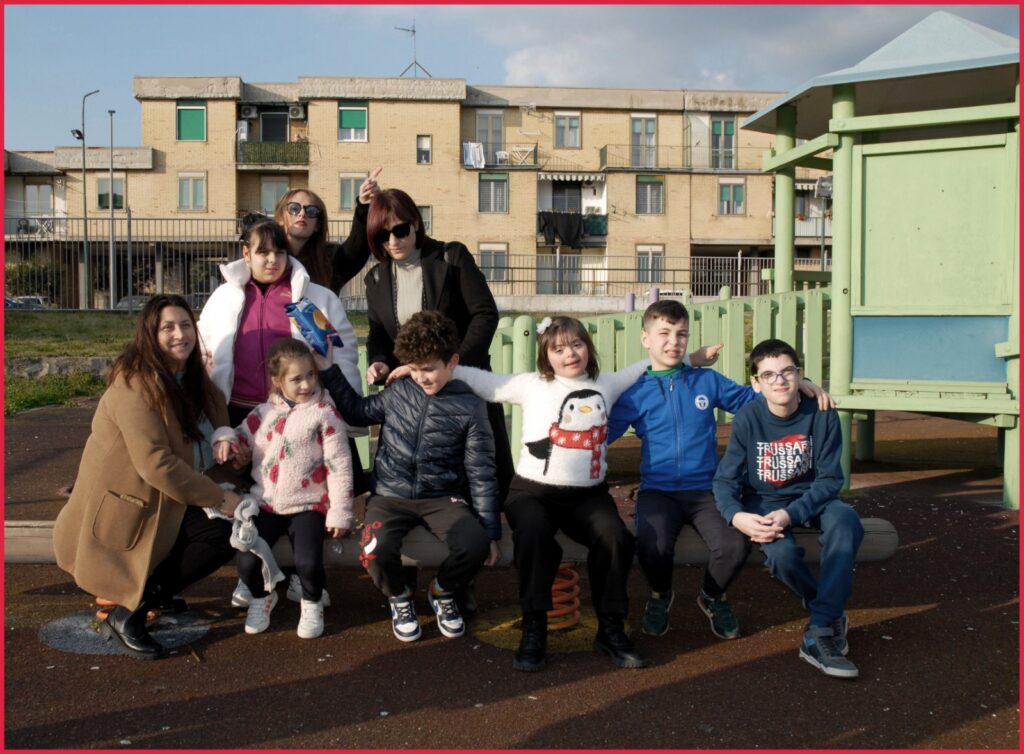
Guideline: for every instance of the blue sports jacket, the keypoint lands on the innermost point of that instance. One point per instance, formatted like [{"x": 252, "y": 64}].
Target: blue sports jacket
[{"x": 674, "y": 417}]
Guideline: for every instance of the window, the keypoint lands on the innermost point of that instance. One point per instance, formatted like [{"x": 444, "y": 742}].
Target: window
[
  {"x": 494, "y": 262},
  {"x": 723, "y": 141},
  {"x": 494, "y": 192},
  {"x": 191, "y": 120},
  {"x": 490, "y": 131},
  {"x": 350, "y": 183},
  {"x": 352, "y": 119},
  {"x": 274, "y": 127},
  {"x": 650, "y": 263},
  {"x": 271, "y": 189},
  {"x": 730, "y": 198},
  {"x": 642, "y": 140},
  {"x": 566, "y": 197},
  {"x": 802, "y": 204},
  {"x": 103, "y": 192},
  {"x": 427, "y": 213},
  {"x": 424, "y": 150},
  {"x": 191, "y": 191},
  {"x": 650, "y": 194},
  {"x": 567, "y": 130},
  {"x": 38, "y": 199}
]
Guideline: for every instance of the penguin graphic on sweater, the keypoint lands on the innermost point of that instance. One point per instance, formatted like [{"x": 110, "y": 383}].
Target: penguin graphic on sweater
[{"x": 575, "y": 440}]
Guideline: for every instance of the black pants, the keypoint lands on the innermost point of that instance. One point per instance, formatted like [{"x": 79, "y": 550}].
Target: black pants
[
  {"x": 660, "y": 516},
  {"x": 587, "y": 515},
  {"x": 389, "y": 519},
  {"x": 306, "y": 533},
  {"x": 203, "y": 545}
]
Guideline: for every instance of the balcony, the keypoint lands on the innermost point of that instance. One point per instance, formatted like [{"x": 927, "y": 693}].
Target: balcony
[
  {"x": 808, "y": 226},
  {"x": 670, "y": 157},
  {"x": 483, "y": 154},
  {"x": 595, "y": 227},
  {"x": 273, "y": 153}
]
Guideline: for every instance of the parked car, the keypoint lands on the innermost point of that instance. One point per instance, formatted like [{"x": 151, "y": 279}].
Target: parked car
[
  {"x": 35, "y": 302},
  {"x": 133, "y": 302},
  {"x": 12, "y": 303}
]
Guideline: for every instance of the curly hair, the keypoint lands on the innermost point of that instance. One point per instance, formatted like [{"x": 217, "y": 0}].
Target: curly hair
[
  {"x": 564, "y": 330},
  {"x": 426, "y": 336}
]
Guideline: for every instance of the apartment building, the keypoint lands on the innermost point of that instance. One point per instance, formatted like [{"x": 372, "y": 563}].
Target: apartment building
[{"x": 577, "y": 191}]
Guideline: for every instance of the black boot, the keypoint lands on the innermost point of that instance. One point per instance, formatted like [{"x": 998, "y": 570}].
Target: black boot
[
  {"x": 465, "y": 598},
  {"x": 129, "y": 628},
  {"x": 533, "y": 644},
  {"x": 611, "y": 640}
]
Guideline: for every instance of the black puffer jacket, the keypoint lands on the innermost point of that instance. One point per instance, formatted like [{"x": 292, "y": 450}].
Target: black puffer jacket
[{"x": 430, "y": 445}]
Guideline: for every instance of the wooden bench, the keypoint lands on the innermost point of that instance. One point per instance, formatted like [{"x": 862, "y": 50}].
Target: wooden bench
[{"x": 32, "y": 542}]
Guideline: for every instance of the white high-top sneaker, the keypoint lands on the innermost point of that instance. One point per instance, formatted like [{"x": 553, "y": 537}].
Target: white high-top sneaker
[{"x": 311, "y": 619}]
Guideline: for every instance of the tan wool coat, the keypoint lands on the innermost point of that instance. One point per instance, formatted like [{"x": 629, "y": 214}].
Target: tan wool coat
[{"x": 129, "y": 499}]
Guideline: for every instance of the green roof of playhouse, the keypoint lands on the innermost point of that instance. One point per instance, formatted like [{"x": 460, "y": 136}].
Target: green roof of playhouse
[{"x": 943, "y": 61}]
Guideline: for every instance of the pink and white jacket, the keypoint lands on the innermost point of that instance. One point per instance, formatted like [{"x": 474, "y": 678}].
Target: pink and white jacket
[{"x": 300, "y": 458}]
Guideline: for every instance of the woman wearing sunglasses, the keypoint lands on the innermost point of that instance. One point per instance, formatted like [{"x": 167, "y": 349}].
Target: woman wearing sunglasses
[
  {"x": 414, "y": 273},
  {"x": 303, "y": 215}
]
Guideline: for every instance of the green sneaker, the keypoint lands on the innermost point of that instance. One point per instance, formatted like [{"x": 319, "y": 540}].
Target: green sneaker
[
  {"x": 655, "y": 620},
  {"x": 723, "y": 623}
]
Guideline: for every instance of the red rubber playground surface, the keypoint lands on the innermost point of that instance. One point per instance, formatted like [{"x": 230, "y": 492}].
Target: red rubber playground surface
[{"x": 935, "y": 632}]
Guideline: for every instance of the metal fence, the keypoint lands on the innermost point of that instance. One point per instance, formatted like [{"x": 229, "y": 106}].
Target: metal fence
[{"x": 45, "y": 259}]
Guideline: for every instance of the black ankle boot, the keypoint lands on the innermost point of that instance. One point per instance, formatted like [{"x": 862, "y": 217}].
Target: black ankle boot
[
  {"x": 129, "y": 628},
  {"x": 611, "y": 640},
  {"x": 533, "y": 644}
]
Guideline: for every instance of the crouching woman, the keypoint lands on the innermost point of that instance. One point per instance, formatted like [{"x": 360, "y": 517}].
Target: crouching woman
[{"x": 134, "y": 530}]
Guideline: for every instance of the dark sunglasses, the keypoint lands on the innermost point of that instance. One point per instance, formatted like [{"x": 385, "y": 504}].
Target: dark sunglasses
[
  {"x": 399, "y": 231},
  {"x": 294, "y": 208}
]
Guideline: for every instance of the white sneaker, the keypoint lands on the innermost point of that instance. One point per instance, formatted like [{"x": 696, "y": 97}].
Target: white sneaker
[
  {"x": 294, "y": 592},
  {"x": 403, "y": 618},
  {"x": 257, "y": 620},
  {"x": 311, "y": 619},
  {"x": 241, "y": 596},
  {"x": 449, "y": 620}
]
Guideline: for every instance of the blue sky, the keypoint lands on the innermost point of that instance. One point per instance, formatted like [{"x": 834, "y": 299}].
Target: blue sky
[{"x": 54, "y": 54}]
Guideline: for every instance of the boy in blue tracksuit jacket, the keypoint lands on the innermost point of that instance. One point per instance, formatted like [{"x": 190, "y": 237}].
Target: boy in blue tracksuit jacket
[{"x": 672, "y": 408}]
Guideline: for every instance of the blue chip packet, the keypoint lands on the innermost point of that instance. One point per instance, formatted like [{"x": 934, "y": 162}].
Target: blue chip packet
[{"x": 313, "y": 325}]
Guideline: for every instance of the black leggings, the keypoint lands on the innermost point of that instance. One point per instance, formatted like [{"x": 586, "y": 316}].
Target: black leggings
[
  {"x": 306, "y": 533},
  {"x": 203, "y": 545}
]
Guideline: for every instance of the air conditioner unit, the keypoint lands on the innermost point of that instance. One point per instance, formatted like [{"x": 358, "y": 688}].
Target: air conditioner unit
[
  {"x": 297, "y": 112},
  {"x": 243, "y": 130},
  {"x": 250, "y": 112}
]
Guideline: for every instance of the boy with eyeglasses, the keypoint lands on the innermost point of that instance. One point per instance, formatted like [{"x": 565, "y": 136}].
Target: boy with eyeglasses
[
  {"x": 782, "y": 469},
  {"x": 672, "y": 409}
]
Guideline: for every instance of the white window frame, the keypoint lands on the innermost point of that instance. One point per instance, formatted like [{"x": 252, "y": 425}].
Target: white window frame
[
  {"x": 559, "y": 114},
  {"x": 429, "y": 149},
  {"x": 494, "y": 273},
  {"x": 267, "y": 179},
  {"x": 651, "y": 251},
  {"x": 32, "y": 208},
  {"x": 354, "y": 136},
  {"x": 118, "y": 178},
  {"x": 192, "y": 177},
  {"x": 427, "y": 213},
  {"x": 357, "y": 180},
  {"x": 503, "y": 199},
  {"x": 206, "y": 120},
  {"x": 728, "y": 209}
]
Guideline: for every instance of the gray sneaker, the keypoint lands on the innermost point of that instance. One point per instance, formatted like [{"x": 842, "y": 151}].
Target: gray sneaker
[
  {"x": 840, "y": 627},
  {"x": 655, "y": 620},
  {"x": 820, "y": 650}
]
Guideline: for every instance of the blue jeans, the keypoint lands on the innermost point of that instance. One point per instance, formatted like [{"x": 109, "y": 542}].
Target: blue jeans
[{"x": 841, "y": 534}]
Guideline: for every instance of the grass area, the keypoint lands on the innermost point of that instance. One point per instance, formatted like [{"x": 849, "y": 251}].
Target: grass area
[{"x": 21, "y": 393}]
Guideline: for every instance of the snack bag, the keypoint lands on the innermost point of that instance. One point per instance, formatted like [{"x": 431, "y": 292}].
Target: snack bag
[{"x": 313, "y": 325}]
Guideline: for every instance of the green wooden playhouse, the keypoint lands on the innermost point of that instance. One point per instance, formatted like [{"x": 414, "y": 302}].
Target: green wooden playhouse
[{"x": 922, "y": 140}]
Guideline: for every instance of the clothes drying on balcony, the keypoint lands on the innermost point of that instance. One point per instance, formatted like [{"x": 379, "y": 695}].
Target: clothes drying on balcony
[
  {"x": 473, "y": 154},
  {"x": 568, "y": 226}
]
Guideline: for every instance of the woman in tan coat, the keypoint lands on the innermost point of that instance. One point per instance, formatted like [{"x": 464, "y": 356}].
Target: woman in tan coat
[{"x": 134, "y": 530}]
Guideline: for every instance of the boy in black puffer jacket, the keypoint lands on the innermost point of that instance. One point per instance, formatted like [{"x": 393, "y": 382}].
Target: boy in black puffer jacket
[{"x": 435, "y": 442}]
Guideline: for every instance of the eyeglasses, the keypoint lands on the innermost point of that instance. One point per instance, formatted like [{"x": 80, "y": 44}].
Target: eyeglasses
[
  {"x": 399, "y": 231},
  {"x": 770, "y": 378},
  {"x": 294, "y": 208}
]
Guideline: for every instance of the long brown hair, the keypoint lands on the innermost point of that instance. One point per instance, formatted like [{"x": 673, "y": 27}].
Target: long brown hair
[
  {"x": 563, "y": 330},
  {"x": 143, "y": 360},
  {"x": 313, "y": 255}
]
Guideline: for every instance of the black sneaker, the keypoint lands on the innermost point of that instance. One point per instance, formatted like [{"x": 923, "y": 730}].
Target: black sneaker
[
  {"x": 403, "y": 618},
  {"x": 611, "y": 640},
  {"x": 723, "y": 621},
  {"x": 820, "y": 650},
  {"x": 449, "y": 621},
  {"x": 533, "y": 644}
]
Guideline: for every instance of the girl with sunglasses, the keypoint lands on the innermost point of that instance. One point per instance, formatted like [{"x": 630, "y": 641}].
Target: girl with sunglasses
[{"x": 303, "y": 215}]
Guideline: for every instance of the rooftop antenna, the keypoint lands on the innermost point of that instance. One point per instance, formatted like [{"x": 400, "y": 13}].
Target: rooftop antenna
[{"x": 414, "y": 64}]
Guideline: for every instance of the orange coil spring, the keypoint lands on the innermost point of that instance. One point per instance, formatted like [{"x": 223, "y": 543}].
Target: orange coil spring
[{"x": 565, "y": 594}]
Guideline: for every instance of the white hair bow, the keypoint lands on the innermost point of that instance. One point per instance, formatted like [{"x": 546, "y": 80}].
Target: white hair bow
[{"x": 543, "y": 325}]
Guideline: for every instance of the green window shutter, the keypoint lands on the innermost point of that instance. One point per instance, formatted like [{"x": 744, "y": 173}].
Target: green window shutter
[
  {"x": 649, "y": 179},
  {"x": 723, "y": 193},
  {"x": 738, "y": 194},
  {"x": 716, "y": 127},
  {"x": 729, "y": 126},
  {"x": 192, "y": 124},
  {"x": 352, "y": 119}
]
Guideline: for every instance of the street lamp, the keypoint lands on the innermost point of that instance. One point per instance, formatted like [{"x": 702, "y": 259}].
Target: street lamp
[
  {"x": 84, "y": 269},
  {"x": 111, "y": 195}
]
